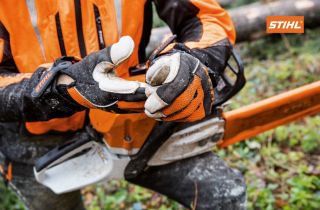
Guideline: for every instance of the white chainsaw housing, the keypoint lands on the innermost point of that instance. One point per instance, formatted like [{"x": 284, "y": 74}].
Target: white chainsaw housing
[
  {"x": 93, "y": 162},
  {"x": 86, "y": 165},
  {"x": 189, "y": 142}
]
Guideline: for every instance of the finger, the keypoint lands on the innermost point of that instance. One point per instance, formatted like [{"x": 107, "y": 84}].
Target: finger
[
  {"x": 153, "y": 104},
  {"x": 112, "y": 56},
  {"x": 121, "y": 50},
  {"x": 198, "y": 114},
  {"x": 164, "y": 70},
  {"x": 135, "y": 97},
  {"x": 165, "y": 94},
  {"x": 189, "y": 110},
  {"x": 156, "y": 115},
  {"x": 184, "y": 99},
  {"x": 150, "y": 90},
  {"x": 114, "y": 84},
  {"x": 101, "y": 71},
  {"x": 170, "y": 91}
]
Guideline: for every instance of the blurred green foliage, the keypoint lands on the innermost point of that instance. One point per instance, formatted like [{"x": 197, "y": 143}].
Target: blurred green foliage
[
  {"x": 156, "y": 20},
  {"x": 126, "y": 196},
  {"x": 282, "y": 166},
  {"x": 8, "y": 200}
]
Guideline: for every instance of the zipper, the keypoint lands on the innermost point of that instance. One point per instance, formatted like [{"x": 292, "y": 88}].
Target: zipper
[{"x": 99, "y": 27}]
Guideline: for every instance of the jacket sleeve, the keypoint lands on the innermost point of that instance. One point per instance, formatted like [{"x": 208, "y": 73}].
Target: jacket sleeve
[
  {"x": 16, "y": 103},
  {"x": 201, "y": 25}
]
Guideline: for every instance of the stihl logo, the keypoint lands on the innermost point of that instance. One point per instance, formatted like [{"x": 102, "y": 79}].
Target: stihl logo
[{"x": 285, "y": 24}]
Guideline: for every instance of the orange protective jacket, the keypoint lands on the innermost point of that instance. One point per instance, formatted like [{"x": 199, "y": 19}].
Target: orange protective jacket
[{"x": 35, "y": 32}]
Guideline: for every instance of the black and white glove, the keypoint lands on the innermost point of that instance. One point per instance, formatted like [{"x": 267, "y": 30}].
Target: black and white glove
[
  {"x": 92, "y": 82},
  {"x": 180, "y": 88}
]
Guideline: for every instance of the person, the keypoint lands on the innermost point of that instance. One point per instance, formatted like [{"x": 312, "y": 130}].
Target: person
[{"x": 54, "y": 56}]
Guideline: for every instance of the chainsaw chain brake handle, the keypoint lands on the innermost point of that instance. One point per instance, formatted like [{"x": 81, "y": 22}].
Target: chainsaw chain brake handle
[{"x": 230, "y": 81}]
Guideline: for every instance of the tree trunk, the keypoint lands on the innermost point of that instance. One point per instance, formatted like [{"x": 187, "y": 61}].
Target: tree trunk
[{"x": 250, "y": 20}]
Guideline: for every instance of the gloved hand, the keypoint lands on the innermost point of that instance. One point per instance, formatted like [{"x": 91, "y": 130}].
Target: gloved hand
[
  {"x": 92, "y": 82},
  {"x": 181, "y": 89}
]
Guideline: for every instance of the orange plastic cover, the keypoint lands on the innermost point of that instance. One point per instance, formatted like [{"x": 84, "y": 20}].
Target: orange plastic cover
[{"x": 123, "y": 131}]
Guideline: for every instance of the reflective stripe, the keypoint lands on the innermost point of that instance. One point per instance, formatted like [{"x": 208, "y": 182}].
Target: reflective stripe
[
  {"x": 118, "y": 5},
  {"x": 99, "y": 27},
  {"x": 34, "y": 20}
]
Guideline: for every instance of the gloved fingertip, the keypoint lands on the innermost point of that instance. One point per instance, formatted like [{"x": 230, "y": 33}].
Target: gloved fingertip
[
  {"x": 150, "y": 90},
  {"x": 121, "y": 50},
  {"x": 154, "y": 103},
  {"x": 101, "y": 69},
  {"x": 158, "y": 72},
  {"x": 156, "y": 116}
]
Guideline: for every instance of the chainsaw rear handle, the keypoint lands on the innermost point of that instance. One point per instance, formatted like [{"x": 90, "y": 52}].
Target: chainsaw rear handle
[{"x": 226, "y": 87}]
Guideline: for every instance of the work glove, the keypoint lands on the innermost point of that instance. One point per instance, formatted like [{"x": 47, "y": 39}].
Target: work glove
[
  {"x": 180, "y": 88},
  {"x": 92, "y": 82}
]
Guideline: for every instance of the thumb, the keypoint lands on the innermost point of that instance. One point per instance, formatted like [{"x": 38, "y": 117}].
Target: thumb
[
  {"x": 107, "y": 79},
  {"x": 121, "y": 50},
  {"x": 112, "y": 57},
  {"x": 164, "y": 70}
]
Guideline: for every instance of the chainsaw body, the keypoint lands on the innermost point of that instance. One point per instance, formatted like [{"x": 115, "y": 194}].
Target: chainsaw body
[{"x": 77, "y": 164}]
